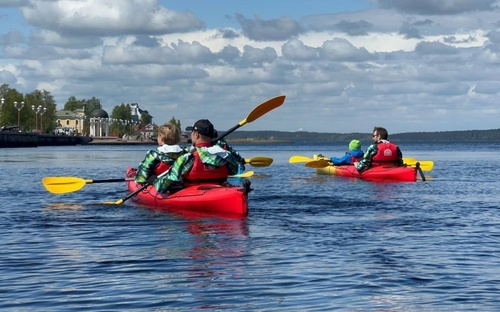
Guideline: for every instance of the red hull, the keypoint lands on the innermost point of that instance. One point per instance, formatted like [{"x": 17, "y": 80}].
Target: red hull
[
  {"x": 205, "y": 198},
  {"x": 379, "y": 173}
]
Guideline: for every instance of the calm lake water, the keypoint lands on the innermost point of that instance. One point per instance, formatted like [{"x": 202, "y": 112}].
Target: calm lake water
[{"x": 309, "y": 243}]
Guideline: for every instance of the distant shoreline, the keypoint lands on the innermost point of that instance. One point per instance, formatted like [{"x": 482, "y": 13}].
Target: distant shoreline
[
  {"x": 115, "y": 141},
  {"x": 257, "y": 141},
  {"x": 276, "y": 137}
]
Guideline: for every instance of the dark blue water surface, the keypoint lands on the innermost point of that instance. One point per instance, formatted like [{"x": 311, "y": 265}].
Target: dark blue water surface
[{"x": 309, "y": 243}]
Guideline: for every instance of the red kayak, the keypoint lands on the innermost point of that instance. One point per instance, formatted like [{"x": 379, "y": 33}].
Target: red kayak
[
  {"x": 379, "y": 173},
  {"x": 203, "y": 198}
]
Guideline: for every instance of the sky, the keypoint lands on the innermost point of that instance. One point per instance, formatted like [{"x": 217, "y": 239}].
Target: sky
[{"x": 344, "y": 66}]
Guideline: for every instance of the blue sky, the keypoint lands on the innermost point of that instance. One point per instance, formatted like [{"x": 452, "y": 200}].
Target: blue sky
[
  {"x": 345, "y": 66},
  {"x": 220, "y": 13}
]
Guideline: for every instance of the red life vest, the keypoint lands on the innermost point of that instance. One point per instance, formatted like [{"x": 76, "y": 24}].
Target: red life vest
[
  {"x": 203, "y": 173},
  {"x": 387, "y": 154},
  {"x": 161, "y": 168},
  {"x": 355, "y": 159}
]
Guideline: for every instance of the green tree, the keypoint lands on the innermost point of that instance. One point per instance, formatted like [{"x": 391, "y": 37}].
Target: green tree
[
  {"x": 122, "y": 118},
  {"x": 43, "y": 108},
  {"x": 38, "y": 112},
  {"x": 91, "y": 105},
  {"x": 73, "y": 104},
  {"x": 8, "y": 111},
  {"x": 175, "y": 122},
  {"x": 146, "y": 118}
]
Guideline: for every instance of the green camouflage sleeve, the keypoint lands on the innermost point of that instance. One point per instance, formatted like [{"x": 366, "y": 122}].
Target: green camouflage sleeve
[
  {"x": 146, "y": 167},
  {"x": 228, "y": 160},
  {"x": 367, "y": 158},
  {"x": 174, "y": 175},
  {"x": 235, "y": 154}
]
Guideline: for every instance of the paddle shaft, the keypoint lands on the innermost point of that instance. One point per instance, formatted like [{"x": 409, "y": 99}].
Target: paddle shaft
[
  {"x": 121, "y": 201},
  {"x": 417, "y": 165},
  {"x": 106, "y": 181}
]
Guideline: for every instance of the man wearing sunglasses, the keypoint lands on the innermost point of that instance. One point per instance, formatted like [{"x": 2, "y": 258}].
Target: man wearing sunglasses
[{"x": 381, "y": 152}]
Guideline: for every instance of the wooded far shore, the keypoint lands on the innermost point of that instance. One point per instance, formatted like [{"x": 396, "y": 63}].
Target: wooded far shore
[{"x": 492, "y": 135}]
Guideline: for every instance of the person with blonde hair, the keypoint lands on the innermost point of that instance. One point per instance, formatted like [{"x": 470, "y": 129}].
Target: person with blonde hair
[{"x": 160, "y": 159}]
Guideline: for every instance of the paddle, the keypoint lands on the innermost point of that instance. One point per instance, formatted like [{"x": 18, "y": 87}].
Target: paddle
[
  {"x": 63, "y": 185},
  {"x": 420, "y": 171},
  {"x": 320, "y": 163},
  {"x": 257, "y": 112},
  {"x": 246, "y": 174},
  {"x": 259, "y": 161},
  {"x": 299, "y": 159},
  {"x": 425, "y": 165},
  {"x": 310, "y": 162}
]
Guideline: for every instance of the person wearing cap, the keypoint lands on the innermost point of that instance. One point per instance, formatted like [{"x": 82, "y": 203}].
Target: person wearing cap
[
  {"x": 381, "y": 152},
  {"x": 205, "y": 163},
  {"x": 222, "y": 143},
  {"x": 160, "y": 159},
  {"x": 354, "y": 154}
]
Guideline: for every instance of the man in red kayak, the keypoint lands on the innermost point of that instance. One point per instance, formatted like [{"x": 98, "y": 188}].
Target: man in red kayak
[
  {"x": 381, "y": 152},
  {"x": 205, "y": 163},
  {"x": 222, "y": 143}
]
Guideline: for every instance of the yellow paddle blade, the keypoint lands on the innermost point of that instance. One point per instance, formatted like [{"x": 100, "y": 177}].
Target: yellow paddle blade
[
  {"x": 118, "y": 202},
  {"x": 62, "y": 185},
  {"x": 299, "y": 159},
  {"x": 259, "y": 161},
  {"x": 409, "y": 160},
  {"x": 263, "y": 108},
  {"x": 245, "y": 174},
  {"x": 425, "y": 165},
  {"x": 320, "y": 163}
]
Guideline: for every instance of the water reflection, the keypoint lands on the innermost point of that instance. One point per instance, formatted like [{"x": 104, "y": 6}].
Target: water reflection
[
  {"x": 213, "y": 251},
  {"x": 62, "y": 206}
]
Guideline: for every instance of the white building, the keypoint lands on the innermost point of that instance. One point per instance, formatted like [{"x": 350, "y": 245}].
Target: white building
[
  {"x": 137, "y": 113},
  {"x": 99, "y": 123}
]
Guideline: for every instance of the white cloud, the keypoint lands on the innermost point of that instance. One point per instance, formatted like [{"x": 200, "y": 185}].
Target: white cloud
[
  {"x": 403, "y": 66},
  {"x": 110, "y": 17}
]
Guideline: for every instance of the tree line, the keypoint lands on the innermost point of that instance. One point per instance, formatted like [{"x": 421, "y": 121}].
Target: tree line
[
  {"x": 36, "y": 111},
  {"x": 39, "y": 113},
  {"x": 492, "y": 135}
]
